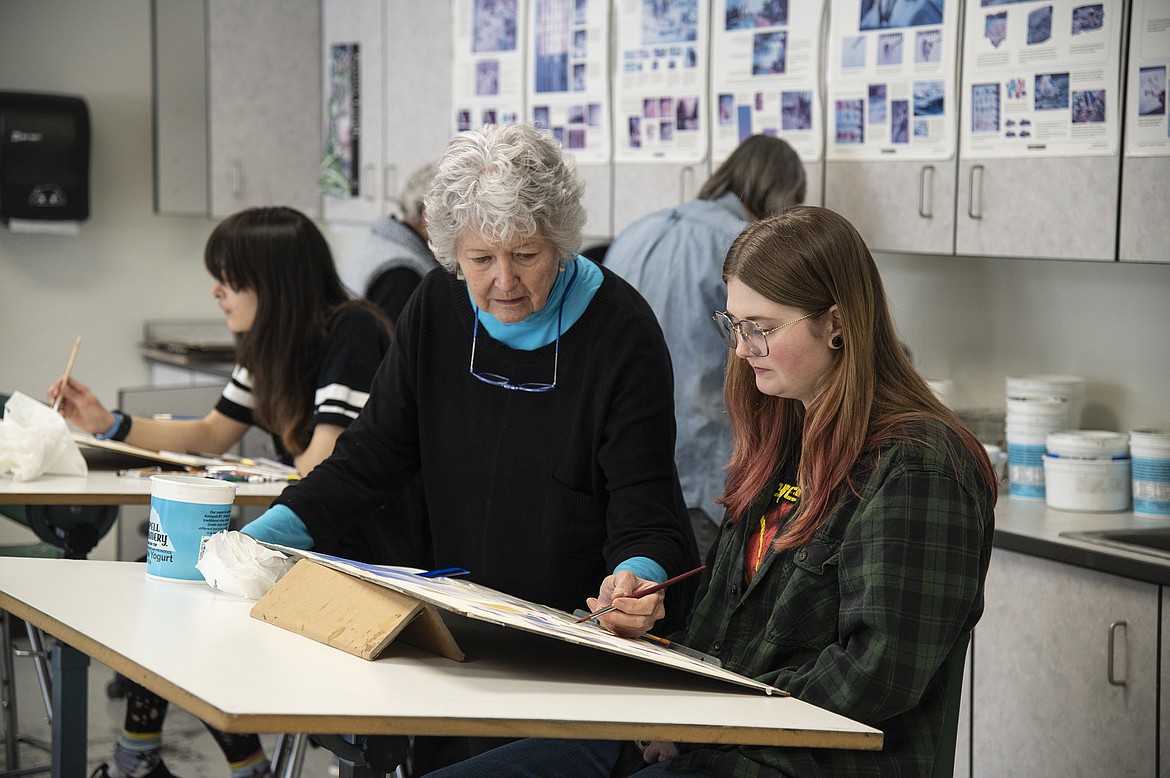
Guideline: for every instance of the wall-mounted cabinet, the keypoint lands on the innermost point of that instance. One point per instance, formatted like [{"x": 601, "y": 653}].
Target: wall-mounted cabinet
[
  {"x": 418, "y": 86},
  {"x": 1057, "y": 208},
  {"x": 892, "y": 123},
  {"x": 642, "y": 188},
  {"x": 1145, "y": 173},
  {"x": 1145, "y": 199},
  {"x": 1039, "y": 162},
  {"x": 234, "y": 83},
  {"x": 971, "y": 129},
  {"x": 399, "y": 93},
  {"x": 906, "y": 207}
]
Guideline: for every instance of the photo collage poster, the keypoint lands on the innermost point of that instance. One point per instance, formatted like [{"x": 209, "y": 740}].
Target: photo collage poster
[
  {"x": 660, "y": 83},
  {"x": 340, "y": 160},
  {"x": 568, "y": 68},
  {"x": 488, "y": 64},
  {"x": 891, "y": 75},
  {"x": 1042, "y": 78},
  {"x": 765, "y": 63},
  {"x": 1147, "y": 128}
]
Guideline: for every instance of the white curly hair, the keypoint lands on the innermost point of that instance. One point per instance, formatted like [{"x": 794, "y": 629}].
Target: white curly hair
[{"x": 504, "y": 183}]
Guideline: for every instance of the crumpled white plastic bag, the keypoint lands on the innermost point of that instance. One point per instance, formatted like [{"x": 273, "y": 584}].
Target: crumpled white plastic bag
[
  {"x": 35, "y": 440},
  {"x": 237, "y": 564}
]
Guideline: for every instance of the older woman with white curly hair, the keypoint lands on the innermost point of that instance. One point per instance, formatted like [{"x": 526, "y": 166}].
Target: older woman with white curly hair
[{"x": 531, "y": 392}]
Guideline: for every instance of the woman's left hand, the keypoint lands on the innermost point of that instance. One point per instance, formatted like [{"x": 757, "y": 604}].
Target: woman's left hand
[
  {"x": 630, "y": 617},
  {"x": 657, "y": 751}
]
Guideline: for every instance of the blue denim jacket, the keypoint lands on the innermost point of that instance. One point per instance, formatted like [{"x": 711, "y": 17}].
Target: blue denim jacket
[{"x": 674, "y": 258}]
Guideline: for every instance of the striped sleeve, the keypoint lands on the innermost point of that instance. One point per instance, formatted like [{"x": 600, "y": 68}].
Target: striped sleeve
[{"x": 351, "y": 359}]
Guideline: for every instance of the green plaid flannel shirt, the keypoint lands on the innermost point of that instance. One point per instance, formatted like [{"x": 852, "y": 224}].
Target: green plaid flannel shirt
[{"x": 859, "y": 620}]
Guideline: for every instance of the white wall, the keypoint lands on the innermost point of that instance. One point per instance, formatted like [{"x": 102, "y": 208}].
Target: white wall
[{"x": 973, "y": 320}]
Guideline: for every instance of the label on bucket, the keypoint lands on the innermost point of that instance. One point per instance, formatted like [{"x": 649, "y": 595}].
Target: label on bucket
[
  {"x": 177, "y": 530},
  {"x": 1025, "y": 471},
  {"x": 1151, "y": 486}
]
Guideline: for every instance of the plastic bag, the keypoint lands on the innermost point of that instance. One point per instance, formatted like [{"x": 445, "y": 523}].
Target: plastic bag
[
  {"x": 237, "y": 564},
  {"x": 35, "y": 440}
]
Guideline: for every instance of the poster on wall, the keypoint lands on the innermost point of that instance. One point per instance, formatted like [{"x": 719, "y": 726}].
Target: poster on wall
[
  {"x": 340, "y": 159},
  {"x": 765, "y": 60},
  {"x": 568, "y": 84},
  {"x": 892, "y": 71},
  {"x": 488, "y": 66},
  {"x": 660, "y": 82},
  {"x": 1041, "y": 78},
  {"x": 1147, "y": 127}
]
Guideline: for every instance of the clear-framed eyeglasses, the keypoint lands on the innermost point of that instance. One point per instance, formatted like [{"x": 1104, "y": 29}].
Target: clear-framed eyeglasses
[
  {"x": 495, "y": 379},
  {"x": 754, "y": 336}
]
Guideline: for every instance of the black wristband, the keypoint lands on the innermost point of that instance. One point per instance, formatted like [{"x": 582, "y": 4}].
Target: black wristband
[{"x": 119, "y": 429}]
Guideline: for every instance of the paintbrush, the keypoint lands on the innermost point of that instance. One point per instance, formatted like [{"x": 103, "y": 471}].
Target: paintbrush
[
  {"x": 68, "y": 370},
  {"x": 643, "y": 593}
]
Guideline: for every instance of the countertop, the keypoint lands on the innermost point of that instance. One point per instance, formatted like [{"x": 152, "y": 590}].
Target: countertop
[{"x": 1033, "y": 528}]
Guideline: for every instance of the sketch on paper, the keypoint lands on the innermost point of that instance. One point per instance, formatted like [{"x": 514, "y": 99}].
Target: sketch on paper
[
  {"x": 1152, "y": 91},
  {"x": 877, "y": 103},
  {"x": 769, "y": 53},
  {"x": 985, "y": 108},
  {"x": 687, "y": 114},
  {"x": 669, "y": 21},
  {"x": 1051, "y": 91},
  {"x": 462, "y": 596},
  {"x": 887, "y": 14},
  {"x": 929, "y": 98},
  {"x": 928, "y": 46},
  {"x": 899, "y": 121},
  {"x": 796, "y": 110},
  {"x": 889, "y": 48},
  {"x": 487, "y": 77},
  {"x": 494, "y": 26},
  {"x": 550, "y": 27},
  {"x": 752, "y": 14},
  {"x": 1040, "y": 25},
  {"x": 1088, "y": 18},
  {"x": 995, "y": 28},
  {"x": 853, "y": 52},
  {"x": 1088, "y": 106},
  {"x": 850, "y": 122}
]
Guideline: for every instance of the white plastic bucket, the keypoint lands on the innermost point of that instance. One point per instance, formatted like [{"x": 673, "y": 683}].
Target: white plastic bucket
[
  {"x": 183, "y": 511},
  {"x": 1094, "y": 485},
  {"x": 1025, "y": 464},
  {"x": 1088, "y": 444},
  {"x": 1070, "y": 389},
  {"x": 1037, "y": 414},
  {"x": 1150, "y": 450}
]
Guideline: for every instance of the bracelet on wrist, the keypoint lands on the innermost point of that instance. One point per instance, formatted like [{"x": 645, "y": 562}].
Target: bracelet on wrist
[{"x": 119, "y": 429}]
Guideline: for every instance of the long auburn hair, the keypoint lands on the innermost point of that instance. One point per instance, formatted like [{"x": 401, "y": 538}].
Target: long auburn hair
[
  {"x": 812, "y": 259},
  {"x": 280, "y": 253}
]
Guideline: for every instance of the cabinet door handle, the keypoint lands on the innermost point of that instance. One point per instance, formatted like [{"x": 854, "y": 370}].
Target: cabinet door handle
[
  {"x": 390, "y": 181},
  {"x": 926, "y": 192},
  {"x": 685, "y": 175},
  {"x": 237, "y": 178},
  {"x": 370, "y": 174},
  {"x": 972, "y": 190},
  {"x": 1112, "y": 654}
]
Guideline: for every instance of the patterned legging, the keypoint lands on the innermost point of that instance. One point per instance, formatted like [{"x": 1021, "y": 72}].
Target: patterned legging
[{"x": 145, "y": 712}]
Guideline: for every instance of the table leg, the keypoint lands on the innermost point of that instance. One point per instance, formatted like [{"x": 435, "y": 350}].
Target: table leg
[{"x": 70, "y": 710}]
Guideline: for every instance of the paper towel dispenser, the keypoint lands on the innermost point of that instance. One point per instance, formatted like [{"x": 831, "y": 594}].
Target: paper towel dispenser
[{"x": 44, "y": 157}]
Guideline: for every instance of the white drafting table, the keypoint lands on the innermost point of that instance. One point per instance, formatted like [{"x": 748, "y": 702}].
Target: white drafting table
[
  {"x": 201, "y": 650},
  {"x": 106, "y": 487}
]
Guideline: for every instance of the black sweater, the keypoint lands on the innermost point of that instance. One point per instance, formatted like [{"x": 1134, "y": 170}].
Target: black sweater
[{"x": 539, "y": 495}]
